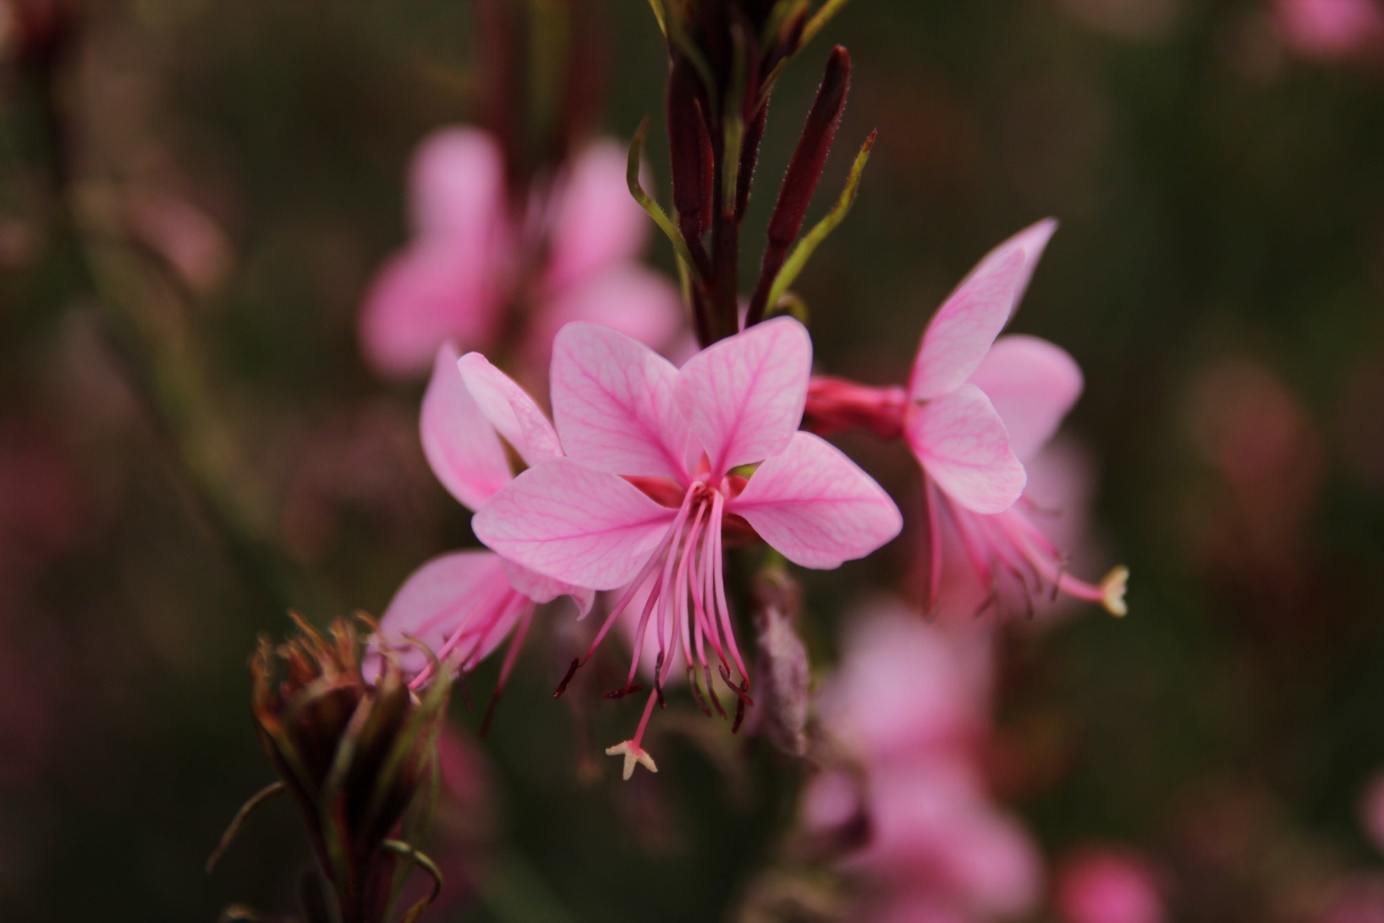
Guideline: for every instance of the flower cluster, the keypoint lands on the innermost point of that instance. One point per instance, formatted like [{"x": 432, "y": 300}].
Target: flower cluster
[{"x": 647, "y": 473}]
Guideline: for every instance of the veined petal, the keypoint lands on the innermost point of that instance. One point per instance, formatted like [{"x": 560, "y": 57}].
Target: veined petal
[
  {"x": 613, "y": 403},
  {"x": 510, "y": 410},
  {"x": 456, "y": 185},
  {"x": 744, "y": 396},
  {"x": 451, "y": 593},
  {"x": 543, "y": 589},
  {"x": 815, "y": 506},
  {"x": 962, "y": 330},
  {"x": 961, "y": 443},
  {"x": 1032, "y": 384},
  {"x": 1033, "y": 240},
  {"x": 423, "y": 297},
  {"x": 566, "y": 521},
  {"x": 596, "y": 223},
  {"x": 460, "y": 444}
]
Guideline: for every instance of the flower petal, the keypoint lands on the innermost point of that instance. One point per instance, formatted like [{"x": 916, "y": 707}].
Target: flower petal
[
  {"x": 574, "y": 524},
  {"x": 460, "y": 444},
  {"x": 744, "y": 396},
  {"x": 596, "y": 224},
  {"x": 423, "y": 297},
  {"x": 459, "y": 591},
  {"x": 613, "y": 403},
  {"x": 543, "y": 589},
  {"x": 456, "y": 185},
  {"x": 815, "y": 506},
  {"x": 509, "y": 409},
  {"x": 962, "y": 330},
  {"x": 1032, "y": 384},
  {"x": 961, "y": 443}
]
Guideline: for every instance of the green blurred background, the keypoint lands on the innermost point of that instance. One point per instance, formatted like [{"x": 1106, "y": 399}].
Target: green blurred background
[{"x": 185, "y": 451}]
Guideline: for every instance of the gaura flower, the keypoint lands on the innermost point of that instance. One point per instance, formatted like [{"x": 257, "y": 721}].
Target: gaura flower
[
  {"x": 462, "y": 605},
  {"x": 1108, "y": 884},
  {"x": 975, "y": 409},
  {"x": 662, "y": 466},
  {"x": 476, "y": 263},
  {"x": 909, "y": 712}
]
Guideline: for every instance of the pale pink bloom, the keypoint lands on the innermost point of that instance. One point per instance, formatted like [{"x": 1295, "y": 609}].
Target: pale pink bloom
[
  {"x": 462, "y": 605},
  {"x": 662, "y": 464},
  {"x": 1108, "y": 885},
  {"x": 1330, "y": 28},
  {"x": 562, "y": 256},
  {"x": 1372, "y": 811},
  {"x": 1355, "y": 899},
  {"x": 975, "y": 410},
  {"x": 910, "y": 706}
]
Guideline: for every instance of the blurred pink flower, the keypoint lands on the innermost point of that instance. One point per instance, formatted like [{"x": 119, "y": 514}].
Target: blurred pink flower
[
  {"x": 1330, "y": 28},
  {"x": 1355, "y": 899},
  {"x": 910, "y": 705},
  {"x": 462, "y": 605},
  {"x": 657, "y": 468},
  {"x": 566, "y": 256},
  {"x": 975, "y": 410},
  {"x": 1372, "y": 811},
  {"x": 1107, "y": 885}
]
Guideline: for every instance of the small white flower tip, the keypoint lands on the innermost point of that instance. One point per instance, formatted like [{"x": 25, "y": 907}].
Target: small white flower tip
[
  {"x": 633, "y": 756},
  {"x": 1112, "y": 590}
]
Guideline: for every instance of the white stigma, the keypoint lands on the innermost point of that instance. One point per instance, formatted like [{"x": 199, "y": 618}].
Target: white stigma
[{"x": 633, "y": 755}]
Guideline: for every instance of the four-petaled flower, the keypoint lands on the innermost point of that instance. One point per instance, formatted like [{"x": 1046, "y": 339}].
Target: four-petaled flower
[
  {"x": 974, "y": 410},
  {"x": 662, "y": 465}
]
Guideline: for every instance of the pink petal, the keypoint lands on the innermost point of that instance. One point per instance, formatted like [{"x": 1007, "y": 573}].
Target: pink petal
[
  {"x": 613, "y": 403},
  {"x": 815, "y": 506},
  {"x": 457, "y": 185},
  {"x": 962, "y": 445},
  {"x": 445, "y": 595},
  {"x": 460, "y": 444},
  {"x": 425, "y": 296},
  {"x": 574, "y": 524},
  {"x": 962, "y": 330},
  {"x": 628, "y": 298},
  {"x": 744, "y": 396},
  {"x": 510, "y": 410},
  {"x": 596, "y": 224},
  {"x": 543, "y": 589},
  {"x": 1032, "y": 385}
]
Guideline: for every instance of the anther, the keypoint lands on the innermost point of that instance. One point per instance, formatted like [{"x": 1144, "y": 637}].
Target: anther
[{"x": 571, "y": 671}]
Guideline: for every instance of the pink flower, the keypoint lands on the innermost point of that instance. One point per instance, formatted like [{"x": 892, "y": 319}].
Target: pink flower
[
  {"x": 975, "y": 409},
  {"x": 569, "y": 255},
  {"x": 462, "y": 605},
  {"x": 1330, "y": 28},
  {"x": 661, "y": 466},
  {"x": 910, "y": 706},
  {"x": 1108, "y": 886}
]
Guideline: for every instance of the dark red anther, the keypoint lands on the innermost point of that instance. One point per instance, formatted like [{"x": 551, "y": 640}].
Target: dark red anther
[
  {"x": 739, "y": 716},
  {"x": 804, "y": 173},
  {"x": 741, "y": 689},
  {"x": 571, "y": 671},
  {"x": 621, "y": 693},
  {"x": 711, "y": 691},
  {"x": 695, "y": 685},
  {"x": 658, "y": 680}
]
